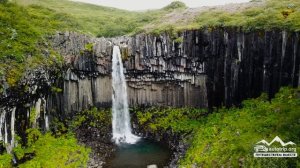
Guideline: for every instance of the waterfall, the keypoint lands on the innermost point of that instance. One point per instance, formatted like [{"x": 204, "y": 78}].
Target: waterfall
[
  {"x": 10, "y": 146},
  {"x": 2, "y": 122},
  {"x": 46, "y": 123},
  {"x": 46, "y": 118},
  {"x": 283, "y": 49},
  {"x": 120, "y": 112},
  {"x": 37, "y": 113},
  {"x": 8, "y": 143},
  {"x": 5, "y": 133}
]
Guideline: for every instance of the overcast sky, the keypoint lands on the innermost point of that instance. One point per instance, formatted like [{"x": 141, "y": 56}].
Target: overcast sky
[{"x": 156, "y": 4}]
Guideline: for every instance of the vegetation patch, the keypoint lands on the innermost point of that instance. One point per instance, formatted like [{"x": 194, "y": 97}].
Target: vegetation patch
[
  {"x": 110, "y": 22},
  {"x": 44, "y": 150},
  {"x": 179, "y": 120},
  {"x": 23, "y": 39},
  {"x": 175, "y": 5},
  {"x": 56, "y": 89},
  {"x": 89, "y": 47},
  {"x": 99, "y": 20},
  {"x": 98, "y": 118},
  {"x": 227, "y": 136},
  {"x": 275, "y": 14}
]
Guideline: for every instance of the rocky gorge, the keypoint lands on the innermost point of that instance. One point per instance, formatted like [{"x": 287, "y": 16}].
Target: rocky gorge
[{"x": 194, "y": 68}]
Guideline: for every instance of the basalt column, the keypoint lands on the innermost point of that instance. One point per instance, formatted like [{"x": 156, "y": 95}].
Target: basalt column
[{"x": 204, "y": 68}]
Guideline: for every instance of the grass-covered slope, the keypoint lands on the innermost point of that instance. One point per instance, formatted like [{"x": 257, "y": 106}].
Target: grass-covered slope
[
  {"x": 105, "y": 21},
  {"x": 23, "y": 38},
  {"x": 274, "y": 14},
  {"x": 253, "y": 16},
  {"x": 226, "y": 137},
  {"x": 100, "y": 20},
  {"x": 23, "y": 28},
  {"x": 47, "y": 151}
]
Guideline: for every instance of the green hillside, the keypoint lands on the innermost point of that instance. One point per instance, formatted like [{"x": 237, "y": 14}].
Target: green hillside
[
  {"x": 275, "y": 14},
  {"x": 23, "y": 38},
  {"x": 106, "y": 21},
  {"x": 100, "y": 20}
]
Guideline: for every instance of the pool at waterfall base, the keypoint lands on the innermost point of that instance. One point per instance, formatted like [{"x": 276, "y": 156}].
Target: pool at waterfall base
[
  {"x": 132, "y": 151},
  {"x": 139, "y": 155}
]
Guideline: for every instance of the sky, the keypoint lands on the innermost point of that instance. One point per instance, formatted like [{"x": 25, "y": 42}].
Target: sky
[{"x": 156, "y": 4}]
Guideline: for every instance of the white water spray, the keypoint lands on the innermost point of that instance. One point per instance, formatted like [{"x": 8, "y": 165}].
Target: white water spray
[
  {"x": 5, "y": 133},
  {"x": 2, "y": 122},
  {"x": 120, "y": 112},
  {"x": 46, "y": 118},
  {"x": 10, "y": 147}
]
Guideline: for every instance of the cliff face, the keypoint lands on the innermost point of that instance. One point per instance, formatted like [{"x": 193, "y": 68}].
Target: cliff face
[
  {"x": 242, "y": 65},
  {"x": 24, "y": 106},
  {"x": 158, "y": 72},
  {"x": 202, "y": 69}
]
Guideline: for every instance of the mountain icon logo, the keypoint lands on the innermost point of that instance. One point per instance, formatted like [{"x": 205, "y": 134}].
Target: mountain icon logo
[
  {"x": 264, "y": 149},
  {"x": 276, "y": 139}
]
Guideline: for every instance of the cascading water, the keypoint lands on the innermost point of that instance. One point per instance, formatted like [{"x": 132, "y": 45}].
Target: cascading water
[
  {"x": 8, "y": 143},
  {"x": 45, "y": 115},
  {"x": 120, "y": 112},
  {"x": 2, "y": 122},
  {"x": 10, "y": 146}
]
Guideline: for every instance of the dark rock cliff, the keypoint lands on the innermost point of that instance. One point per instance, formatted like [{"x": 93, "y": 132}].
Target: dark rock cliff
[
  {"x": 242, "y": 65},
  {"x": 205, "y": 68},
  {"x": 24, "y": 106},
  {"x": 157, "y": 71}
]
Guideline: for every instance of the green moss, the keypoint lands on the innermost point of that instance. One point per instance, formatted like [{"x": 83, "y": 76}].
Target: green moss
[
  {"x": 169, "y": 29},
  {"x": 61, "y": 152},
  {"x": 93, "y": 117},
  {"x": 124, "y": 54},
  {"x": 227, "y": 136},
  {"x": 89, "y": 47},
  {"x": 178, "y": 40},
  {"x": 55, "y": 152},
  {"x": 56, "y": 89},
  {"x": 58, "y": 127},
  {"x": 176, "y": 119},
  {"x": 32, "y": 115},
  {"x": 14, "y": 73},
  {"x": 5, "y": 161},
  {"x": 44, "y": 150}
]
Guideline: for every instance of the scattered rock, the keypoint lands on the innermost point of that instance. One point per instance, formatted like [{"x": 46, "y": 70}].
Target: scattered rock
[{"x": 152, "y": 166}]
